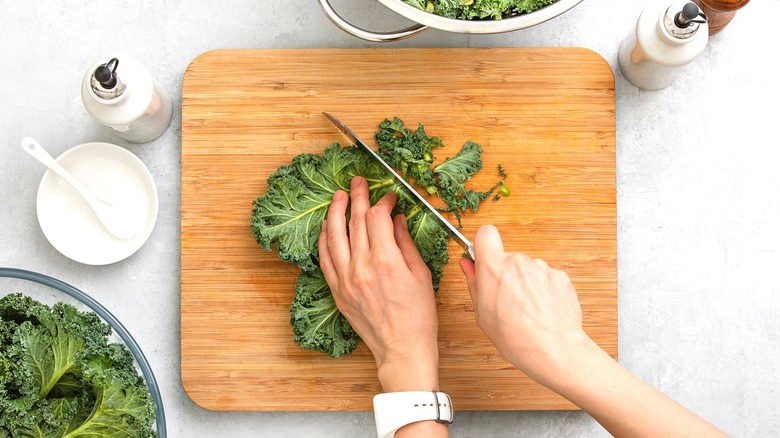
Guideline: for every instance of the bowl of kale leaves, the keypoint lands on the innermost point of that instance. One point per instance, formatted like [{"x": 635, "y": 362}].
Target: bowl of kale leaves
[
  {"x": 68, "y": 367},
  {"x": 459, "y": 16}
]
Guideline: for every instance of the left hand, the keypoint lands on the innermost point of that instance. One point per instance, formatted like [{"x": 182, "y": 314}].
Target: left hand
[{"x": 382, "y": 286}]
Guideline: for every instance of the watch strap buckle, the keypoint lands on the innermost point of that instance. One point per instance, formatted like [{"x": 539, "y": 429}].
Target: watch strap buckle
[{"x": 438, "y": 407}]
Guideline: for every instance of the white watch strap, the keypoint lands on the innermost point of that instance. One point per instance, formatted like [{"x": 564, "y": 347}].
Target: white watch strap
[{"x": 394, "y": 410}]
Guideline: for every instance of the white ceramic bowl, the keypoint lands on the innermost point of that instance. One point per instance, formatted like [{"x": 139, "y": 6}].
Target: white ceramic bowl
[{"x": 69, "y": 223}]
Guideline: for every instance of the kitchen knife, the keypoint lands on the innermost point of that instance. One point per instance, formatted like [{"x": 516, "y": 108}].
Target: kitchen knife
[{"x": 460, "y": 239}]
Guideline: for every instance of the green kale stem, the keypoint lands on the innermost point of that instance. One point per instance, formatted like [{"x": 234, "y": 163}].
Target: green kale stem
[
  {"x": 387, "y": 182},
  {"x": 414, "y": 211}
]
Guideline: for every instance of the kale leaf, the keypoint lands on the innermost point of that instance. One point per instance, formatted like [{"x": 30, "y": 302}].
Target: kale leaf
[
  {"x": 289, "y": 216},
  {"x": 316, "y": 321},
  {"x": 453, "y": 172},
  {"x": 291, "y": 212},
  {"x": 412, "y": 152},
  {"x": 61, "y": 377},
  {"x": 431, "y": 239}
]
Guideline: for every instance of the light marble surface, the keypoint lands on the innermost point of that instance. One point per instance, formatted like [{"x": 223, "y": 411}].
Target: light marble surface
[{"x": 697, "y": 181}]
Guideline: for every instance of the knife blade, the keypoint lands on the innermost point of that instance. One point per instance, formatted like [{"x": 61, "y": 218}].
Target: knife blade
[{"x": 460, "y": 239}]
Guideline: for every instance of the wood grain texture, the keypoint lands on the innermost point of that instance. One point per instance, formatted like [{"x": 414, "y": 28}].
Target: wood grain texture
[{"x": 547, "y": 115}]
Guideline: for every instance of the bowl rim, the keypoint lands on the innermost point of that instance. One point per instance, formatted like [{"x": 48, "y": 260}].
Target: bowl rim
[
  {"x": 116, "y": 326},
  {"x": 521, "y": 21}
]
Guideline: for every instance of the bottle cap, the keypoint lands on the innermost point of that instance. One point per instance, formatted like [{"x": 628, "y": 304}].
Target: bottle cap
[
  {"x": 683, "y": 23},
  {"x": 105, "y": 82}
]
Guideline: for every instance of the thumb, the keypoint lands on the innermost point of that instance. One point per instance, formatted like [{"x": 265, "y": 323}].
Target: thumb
[{"x": 487, "y": 242}]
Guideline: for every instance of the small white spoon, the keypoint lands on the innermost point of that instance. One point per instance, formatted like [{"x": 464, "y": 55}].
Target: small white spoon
[{"x": 115, "y": 218}]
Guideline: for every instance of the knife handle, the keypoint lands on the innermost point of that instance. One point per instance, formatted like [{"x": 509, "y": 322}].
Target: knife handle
[{"x": 466, "y": 246}]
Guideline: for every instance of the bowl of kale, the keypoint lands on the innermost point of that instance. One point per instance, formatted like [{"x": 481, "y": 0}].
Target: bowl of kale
[
  {"x": 68, "y": 367},
  {"x": 459, "y": 16}
]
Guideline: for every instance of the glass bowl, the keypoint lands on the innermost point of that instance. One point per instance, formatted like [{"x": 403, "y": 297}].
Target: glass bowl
[{"x": 49, "y": 290}]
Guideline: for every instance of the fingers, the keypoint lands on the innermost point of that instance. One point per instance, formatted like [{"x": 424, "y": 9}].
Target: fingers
[
  {"x": 326, "y": 262},
  {"x": 337, "y": 245},
  {"x": 386, "y": 202},
  {"x": 379, "y": 223},
  {"x": 467, "y": 266},
  {"x": 358, "y": 234},
  {"x": 368, "y": 226},
  {"x": 407, "y": 246}
]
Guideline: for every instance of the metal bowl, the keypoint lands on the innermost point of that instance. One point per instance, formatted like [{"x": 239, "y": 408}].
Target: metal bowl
[
  {"x": 426, "y": 20},
  {"x": 49, "y": 290}
]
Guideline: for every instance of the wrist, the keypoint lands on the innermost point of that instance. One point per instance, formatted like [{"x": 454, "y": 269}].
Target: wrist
[
  {"x": 399, "y": 377},
  {"x": 410, "y": 372},
  {"x": 578, "y": 352}
]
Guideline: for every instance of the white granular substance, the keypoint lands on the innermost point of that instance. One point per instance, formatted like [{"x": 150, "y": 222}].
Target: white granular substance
[{"x": 73, "y": 228}]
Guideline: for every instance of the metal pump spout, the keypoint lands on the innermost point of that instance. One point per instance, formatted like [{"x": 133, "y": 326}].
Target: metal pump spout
[
  {"x": 684, "y": 23},
  {"x": 106, "y": 82}
]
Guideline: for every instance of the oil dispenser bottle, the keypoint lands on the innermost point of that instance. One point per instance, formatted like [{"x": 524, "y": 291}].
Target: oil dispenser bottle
[
  {"x": 121, "y": 93},
  {"x": 666, "y": 39}
]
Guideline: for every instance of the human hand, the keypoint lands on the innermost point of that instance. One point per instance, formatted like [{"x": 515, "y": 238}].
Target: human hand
[
  {"x": 382, "y": 286},
  {"x": 528, "y": 310},
  {"x": 532, "y": 315}
]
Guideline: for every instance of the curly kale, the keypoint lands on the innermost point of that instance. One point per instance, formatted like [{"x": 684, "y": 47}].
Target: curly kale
[
  {"x": 412, "y": 152},
  {"x": 61, "y": 377},
  {"x": 431, "y": 240},
  {"x": 298, "y": 197},
  {"x": 316, "y": 321},
  {"x": 479, "y": 9},
  {"x": 290, "y": 214}
]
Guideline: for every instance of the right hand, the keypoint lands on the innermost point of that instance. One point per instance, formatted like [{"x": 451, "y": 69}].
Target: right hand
[
  {"x": 528, "y": 310},
  {"x": 531, "y": 313}
]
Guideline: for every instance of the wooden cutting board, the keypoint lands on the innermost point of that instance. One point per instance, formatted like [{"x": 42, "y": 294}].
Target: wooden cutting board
[{"x": 547, "y": 115}]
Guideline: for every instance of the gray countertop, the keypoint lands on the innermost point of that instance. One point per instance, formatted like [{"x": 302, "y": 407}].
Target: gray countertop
[{"x": 697, "y": 191}]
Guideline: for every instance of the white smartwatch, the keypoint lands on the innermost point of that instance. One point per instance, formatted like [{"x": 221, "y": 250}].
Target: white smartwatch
[{"x": 394, "y": 410}]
